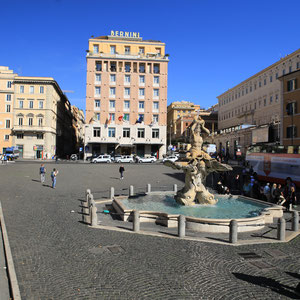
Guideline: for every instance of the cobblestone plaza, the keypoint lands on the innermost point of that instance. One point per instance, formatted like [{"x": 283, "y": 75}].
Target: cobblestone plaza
[{"x": 56, "y": 256}]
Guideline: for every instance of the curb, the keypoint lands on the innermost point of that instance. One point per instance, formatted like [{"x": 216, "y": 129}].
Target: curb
[{"x": 9, "y": 260}]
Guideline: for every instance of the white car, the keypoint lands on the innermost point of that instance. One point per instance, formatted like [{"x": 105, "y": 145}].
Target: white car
[
  {"x": 101, "y": 159},
  {"x": 124, "y": 159},
  {"x": 149, "y": 159},
  {"x": 170, "y": 158}
]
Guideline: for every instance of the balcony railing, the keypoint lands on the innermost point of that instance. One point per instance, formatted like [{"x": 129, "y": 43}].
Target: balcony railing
[{"x": 129, "y": 55}]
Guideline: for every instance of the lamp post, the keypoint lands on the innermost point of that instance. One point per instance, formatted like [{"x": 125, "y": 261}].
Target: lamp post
[{"x": 171, "y": 126}]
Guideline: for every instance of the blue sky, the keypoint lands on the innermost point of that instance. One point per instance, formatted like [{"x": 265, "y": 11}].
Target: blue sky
[{"x": 213, "y": 45}]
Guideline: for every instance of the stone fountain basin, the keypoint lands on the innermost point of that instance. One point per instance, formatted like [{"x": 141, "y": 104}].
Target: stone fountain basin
[{"x": 219, "y": 225}]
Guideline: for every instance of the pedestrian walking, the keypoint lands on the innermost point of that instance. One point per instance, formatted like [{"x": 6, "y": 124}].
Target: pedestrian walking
[
  {"x": 42, "y": 173},
  {"x": 53, "y": 177},
  {"x": 5, "y": 159},
  {"x": 267, "y": 192},
  {"x": 121, "y": 170}
]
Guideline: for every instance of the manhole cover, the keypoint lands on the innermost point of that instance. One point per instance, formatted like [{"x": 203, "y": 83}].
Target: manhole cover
[
  {"x": 250, "y": 255},
  {"x": 261, "y": 265},
  {"x": 115, "y": 249},
  {"x": 276, "y": 253}
]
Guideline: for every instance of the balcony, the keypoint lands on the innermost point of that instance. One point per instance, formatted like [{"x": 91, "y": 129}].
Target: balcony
[
  {"x": 27, "y": 128},
  {"x": 128, "y": 55}
]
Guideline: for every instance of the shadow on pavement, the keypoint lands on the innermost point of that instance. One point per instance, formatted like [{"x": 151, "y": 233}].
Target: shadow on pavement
[
  {"x": 270, "y": 283},
  {"x": 35, "y": 180},
  {"x": 178, "y": 176}
]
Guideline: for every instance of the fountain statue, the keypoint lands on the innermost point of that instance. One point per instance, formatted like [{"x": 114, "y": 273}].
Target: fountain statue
[{"x": 197, "y": 165}]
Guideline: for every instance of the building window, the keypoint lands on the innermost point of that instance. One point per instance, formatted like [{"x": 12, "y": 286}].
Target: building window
[
  {"x": 291, "y": 108},
  {"x": 155, "y": 133},
  {"x": 126, "y": 132},
  {"x": 276, "y": 98},
  {"x": 98, "y": 77},
  {"x": 112, "y": 77},
  {"x": 30, "y": 121},
  {"x": 111, "y": 132},
  {"x": 155, "y": 105},
  {"x": 126, "y": 117},
  {"x": 127, "y": 79},
  {"x": 156, "y": 69},
  {"x": 298, "y": 65},
  {"x": 7, "y": 108},
  {"x": 112, "y": 104},
  {"x": 6, "y": 137},
  {"x": 98, "y": 117},
  {"x": 97, "y": 103},
  {"x": 21, "y": 89},
  {"x": 291, "y": 132},
  {"x": 271, "y": 99},
  {"x": 41, "y": 90},
  {"x": 95, "y": 48},
  {"x": 30, "y": 104},
  {"x": 246, "y": 92},
  {"x": 20, "y": 136},
  {"x": 97, "y": 90},
  {"x": 265, "y": 81},
  {"x": 99, "y": 66},
  {"x": 158, "y": 51},
  {"x": 142, "y": 68},
  {"x": 7, "y": 124},
  {"x": 271, "y": 78},
  {"x": 112, "y": 91},
  {"x": 31, "y": 89},
  {"x": 155, "y": 118},
  {"x": 126, "y": 105},
  {"x": 156, "y": 93},
  {"x": 96, "y": 131},
  {"x": 141, "y": 104},
  {"x": 141, "y": 133},
  {"x": 41, "y": 104},
  {"x": 141, "y": 92},
  {"x": 142, "y": 50},
  {"x": 8, "y": 98},
  {"x": 265, "y": 102},
  {"x": 127, "y": 49},
  {"x": 291, "y": 85},
  {"x": 276, "y": 75},
  {"x": 40, "y": 122},
  {"x": 254, "y": 86},
  {"x": 127, "y": 92},
  {"x": 20, "y": 121},
  {"x": 40, "y": 136},
  {"x": 156, "y": 80},
  {"x": 127, "y": 67},
  {"x": 142, "y": 78},
  {"x": 283, "y": 72},
  {"x": 112, "y": 49},
  {"x": 21, "y": 103},
  {"x": 9, "y": 84},
  {"x": 290, "y": 69},
  {"x": 259, "y": 84},
  {"x": 112, "y": 117}
]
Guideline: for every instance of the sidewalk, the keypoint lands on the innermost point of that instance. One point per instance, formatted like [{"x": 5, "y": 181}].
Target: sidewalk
[{"x": 4, "y": 287}]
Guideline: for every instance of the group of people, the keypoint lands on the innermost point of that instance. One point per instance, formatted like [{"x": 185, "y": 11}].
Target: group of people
[
  {"x": 248, "y": 185},
  {"x": 53, "y": 175}
]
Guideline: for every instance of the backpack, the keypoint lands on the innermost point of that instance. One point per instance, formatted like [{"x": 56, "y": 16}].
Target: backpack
[
  {"x": 52, "y": 175},
  {"x": 42, "y": 170}
]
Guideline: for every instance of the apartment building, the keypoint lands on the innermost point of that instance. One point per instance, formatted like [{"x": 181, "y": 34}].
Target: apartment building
[
  {"x": 126, "y": 95},
  {"x": 6, "y": 107},
  {"x": 291, "y": 105},
  {"x": 78, "y": 126},
  {"x": 251, "y": 112},
  {"x": 42, "y": 118}
]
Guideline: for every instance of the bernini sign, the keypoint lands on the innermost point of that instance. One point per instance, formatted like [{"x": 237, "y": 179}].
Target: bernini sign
[{"x": 125, "y": 34}]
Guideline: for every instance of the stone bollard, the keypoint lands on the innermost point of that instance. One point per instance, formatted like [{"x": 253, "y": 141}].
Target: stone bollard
[
  {"x": 136, "y": 221},
  {"x": 181, "y": 226},
  {"x": 88, "y": 192},
  {"x": 295, "y": 220},
  {"x": 112, "y": 193},
  {"x": 94, "y": 217},
  {"x": 131, "y": 191},
  {"x": 148, "y": 188},
  {"x": 175, "y": 188},
  {"x": 233, "y": 231},
  {"x": 281, "y": 229}
]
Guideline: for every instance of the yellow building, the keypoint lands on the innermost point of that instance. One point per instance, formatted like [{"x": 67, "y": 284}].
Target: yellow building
[
  {"x": 126, "y": 95},
  {"x": 6, "y": 107},
  {"x": 177, "y": 110},
  {"x": 42, "y": 123}
]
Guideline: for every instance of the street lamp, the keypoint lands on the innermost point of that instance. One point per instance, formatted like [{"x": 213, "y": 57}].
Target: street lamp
[{"x": 171, "y": 126}]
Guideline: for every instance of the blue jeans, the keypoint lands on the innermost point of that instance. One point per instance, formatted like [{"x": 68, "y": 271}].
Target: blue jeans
[{"x": 53, "y": 182}]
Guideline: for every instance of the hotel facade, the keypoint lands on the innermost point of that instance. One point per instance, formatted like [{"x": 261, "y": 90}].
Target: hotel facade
[
  {"x": 252, "y": 111},
  {"x": 126, "y": 95}
]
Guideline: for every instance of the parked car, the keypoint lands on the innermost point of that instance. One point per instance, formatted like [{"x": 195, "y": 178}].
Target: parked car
[
  {"x": 172, "y": 158},
  {"x": 148, "y": 159},
  {"x": 116, "y": 157},
  {"x": 101, "y": 159},
  {"x": 91, "y": 157},
  {"x": 124, "y": 159}
]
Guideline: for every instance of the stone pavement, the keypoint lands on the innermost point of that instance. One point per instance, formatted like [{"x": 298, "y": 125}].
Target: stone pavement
[{"x": 58, "y": 257}]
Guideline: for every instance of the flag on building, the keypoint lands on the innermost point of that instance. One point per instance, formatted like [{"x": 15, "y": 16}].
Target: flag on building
[
  {"x": 120, "y": 118},
  {"x": 140, "y": 119}
]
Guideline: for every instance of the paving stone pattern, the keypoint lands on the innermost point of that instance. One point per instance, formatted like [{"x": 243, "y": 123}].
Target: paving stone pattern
[{"x": 58, "y": 257}]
